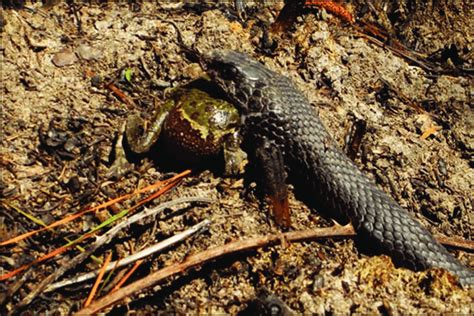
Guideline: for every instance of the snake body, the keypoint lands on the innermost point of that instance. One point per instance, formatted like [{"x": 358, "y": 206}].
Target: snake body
[{"x": 275, "y": 114}]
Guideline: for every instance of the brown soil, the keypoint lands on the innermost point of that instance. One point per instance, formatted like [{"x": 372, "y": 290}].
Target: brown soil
[{"x": 59, "y": 126}]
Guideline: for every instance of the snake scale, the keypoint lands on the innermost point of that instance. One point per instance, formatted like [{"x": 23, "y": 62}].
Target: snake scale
[{"x": 279, "y": 119}]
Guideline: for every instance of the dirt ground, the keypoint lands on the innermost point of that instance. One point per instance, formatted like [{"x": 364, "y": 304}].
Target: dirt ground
[{"x": 60, "y": 123}]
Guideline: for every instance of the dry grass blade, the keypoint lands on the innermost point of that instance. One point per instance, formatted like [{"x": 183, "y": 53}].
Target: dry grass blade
[
  {"x": 137, "y": 256},
  {"x": 44, "y": 258},
  {"x": 168, "y": 184},
  {"x": 79, "y": 214},
  {"x": 100, "y": 241}
]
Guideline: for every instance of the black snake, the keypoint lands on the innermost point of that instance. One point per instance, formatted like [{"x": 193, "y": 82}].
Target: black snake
[{"x": 278, "y": 121}]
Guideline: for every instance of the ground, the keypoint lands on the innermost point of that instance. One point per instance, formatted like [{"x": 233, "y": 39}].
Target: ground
[{"x": 60, "y": 123}]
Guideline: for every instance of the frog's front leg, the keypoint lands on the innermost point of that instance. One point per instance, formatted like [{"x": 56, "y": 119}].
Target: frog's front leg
[
  {"x": 120, "y": 165},
  {"x": 139, "y": 138},
  {"x": 234, "y": 157}
]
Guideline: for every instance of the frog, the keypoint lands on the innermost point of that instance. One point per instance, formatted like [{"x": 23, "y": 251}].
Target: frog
[{"x": 192, "y": 126}]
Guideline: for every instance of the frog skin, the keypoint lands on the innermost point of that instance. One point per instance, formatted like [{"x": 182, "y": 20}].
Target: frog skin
[{"x": 192, "y": 126}]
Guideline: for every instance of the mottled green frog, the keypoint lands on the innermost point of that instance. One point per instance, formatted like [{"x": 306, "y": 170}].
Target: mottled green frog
[{"x": 192, "y": 126}]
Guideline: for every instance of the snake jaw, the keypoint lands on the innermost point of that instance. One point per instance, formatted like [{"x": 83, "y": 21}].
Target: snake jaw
[{"x": 239, "y": 79}]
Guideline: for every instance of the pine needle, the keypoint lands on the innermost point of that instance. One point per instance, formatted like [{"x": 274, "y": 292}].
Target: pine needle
[{"x": 97, "y": 281}]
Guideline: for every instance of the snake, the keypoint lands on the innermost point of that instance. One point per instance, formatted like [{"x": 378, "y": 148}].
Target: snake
[{"x": 279, "y": 125}]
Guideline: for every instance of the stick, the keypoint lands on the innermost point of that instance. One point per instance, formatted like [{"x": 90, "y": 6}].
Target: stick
[
  {"x": 209, "y": 255},
  {"x": 456, "y": 242},
  {"x": 137, "y": 256},
  {"x": 104, "y": 239}
]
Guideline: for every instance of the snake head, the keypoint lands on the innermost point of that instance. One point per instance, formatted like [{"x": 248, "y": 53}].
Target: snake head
[{"x": 240, "y": 76}]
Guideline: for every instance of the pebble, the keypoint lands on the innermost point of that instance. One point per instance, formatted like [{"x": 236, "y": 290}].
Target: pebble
[
  {"x": 87, "y": 52},
  {"x": 65, "y": 57}
]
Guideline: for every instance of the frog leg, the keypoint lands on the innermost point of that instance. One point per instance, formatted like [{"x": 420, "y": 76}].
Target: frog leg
[
  {"x": 234, "y": 157},
  {"x": 270, "y": 160},
  {"x": 140, "y": 139},
  {"x": 120, "y": 166}
]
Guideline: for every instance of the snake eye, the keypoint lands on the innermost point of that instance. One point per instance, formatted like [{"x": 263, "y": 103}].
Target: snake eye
[{"x": 229, "y": 72}]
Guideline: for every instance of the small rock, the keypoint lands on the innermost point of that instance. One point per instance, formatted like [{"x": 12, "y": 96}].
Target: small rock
[
  {"x": 66, "y": 57},
  {"x": 87, "y": 52},
  {"x": 318, "y": 283},
  {"x": 102, "y": 25}
]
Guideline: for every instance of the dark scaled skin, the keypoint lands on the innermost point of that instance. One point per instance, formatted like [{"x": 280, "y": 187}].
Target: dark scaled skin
[{"x": 277, "y": 117}]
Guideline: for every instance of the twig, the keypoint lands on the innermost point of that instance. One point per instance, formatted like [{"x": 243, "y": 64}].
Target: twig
[
  {"x": 168, "y": 184},
  {"x": 220, "y": 251},
  {"x": 100, "y": 241},
  {"x": 82, "y": 212},
  {"x": 412, "y": 58},
  {"x": 456, "y": 242},
  {"x": 139, "y": 255},
  {"x": 209, "y": 255},
  {"x": 76, "y": 16},
  {"x": 13, "y": 288},
  {"x": 332, "y": 7},
  {"x": 119, "y": 94}
]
